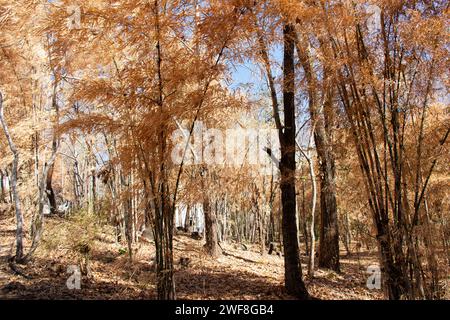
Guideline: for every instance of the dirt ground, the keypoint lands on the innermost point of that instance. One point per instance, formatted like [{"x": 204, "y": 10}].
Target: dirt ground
[{"x": 238, "y": 274}]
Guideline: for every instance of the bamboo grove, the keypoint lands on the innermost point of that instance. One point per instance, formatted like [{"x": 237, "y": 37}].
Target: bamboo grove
[{"x": 356, "y": 91}]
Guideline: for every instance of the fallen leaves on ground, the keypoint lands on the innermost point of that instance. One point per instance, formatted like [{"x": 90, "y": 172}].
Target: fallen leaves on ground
[{"x": 237, "y": 274}]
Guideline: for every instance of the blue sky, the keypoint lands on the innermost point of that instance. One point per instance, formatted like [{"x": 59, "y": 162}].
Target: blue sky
[{"x": 249, "y": 72}]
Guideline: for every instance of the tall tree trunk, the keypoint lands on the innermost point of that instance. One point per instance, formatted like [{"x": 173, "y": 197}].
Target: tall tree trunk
[
  {"x": 293, "y": 270},
  {"x": 312, "y": 175},
  {"x": 164, "y": 213},
  {"x": 212, "y": 243},
  {"x": 37, "y": 226},
  {"x": 128, "y": 214},
  {"x": 312, "y": 253},
  {"x": 55, "y": 142},
  {"x": 329, "y": 228},
  {"x": 329, "y": 233},
  {"x": 15, "y": 191}
]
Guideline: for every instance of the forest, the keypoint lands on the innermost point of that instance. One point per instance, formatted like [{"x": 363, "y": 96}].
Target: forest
[{"x": 224, "y": 149}]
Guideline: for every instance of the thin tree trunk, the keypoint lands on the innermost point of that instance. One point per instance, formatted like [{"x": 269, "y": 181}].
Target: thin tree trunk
[
  {"x": 329, "y": 233},
  {"x": 348, "y": 236},
  {"x": 2, "y": 187},
  {"x": 225, "y": 221},
  {"x": 312, "y": 253},
  {"x": 35, "y": 141},
  {"x": 15, "y": 191},
  {"x": 55, "y": 143},
  {"x": 10, "y": 191},
  {"x": 128, "y": 214},
  {"x": 312, "y": 175},
  {"x": 304, "y": 223},
  {"x": 444, "y": 237},
  {"x": 37, "y": 226},
  {"x": 272, "y": 227},
  {"x": 261, "y": 231}
]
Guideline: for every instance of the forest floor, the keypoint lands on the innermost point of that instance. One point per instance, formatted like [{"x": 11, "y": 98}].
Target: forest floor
[{"x": 237, "y": 274}]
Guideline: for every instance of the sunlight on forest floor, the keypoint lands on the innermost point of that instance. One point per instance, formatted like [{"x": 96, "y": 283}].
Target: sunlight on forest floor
[{"x": 237, "y": 274}]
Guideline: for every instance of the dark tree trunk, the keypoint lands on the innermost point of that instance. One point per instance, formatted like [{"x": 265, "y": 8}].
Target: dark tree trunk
[
  {"x": 163, "y": 226},
  {"x": 77, "y": 189},
  {"x": 50, "y": 192},
  {"x": 395, "y": 282},
  {"x": 165, "y": 212},
  {"x": 2, "y": 187},
  {"x": 163, "y": 235},
  {"x": 293, "y": 271}
]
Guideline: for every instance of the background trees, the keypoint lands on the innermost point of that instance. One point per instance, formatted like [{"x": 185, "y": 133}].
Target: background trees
[{"x": 92, "y": 92}]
